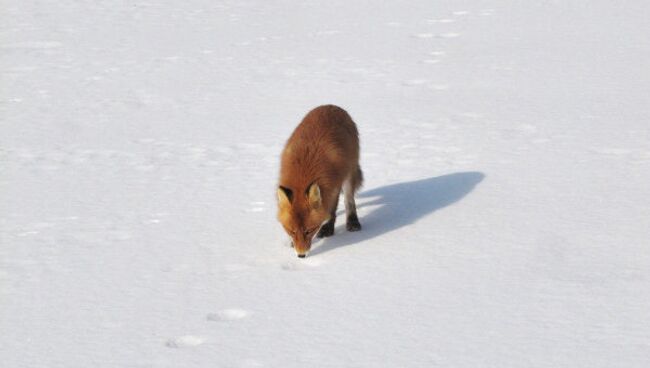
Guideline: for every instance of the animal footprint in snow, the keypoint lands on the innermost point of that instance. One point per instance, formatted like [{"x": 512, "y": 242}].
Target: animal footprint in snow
[
  {"x": 251, "y": 363},
  {"x": 185, "y": 341},
  {"x": 414, "y": 82},
  {"x": 297, "y": 265},
  {"x": 257, "y": 206},
  {"x": 445, "y": 20},
  {"x": 613, "y": 151},
  {"x": 227, "y": 315}
]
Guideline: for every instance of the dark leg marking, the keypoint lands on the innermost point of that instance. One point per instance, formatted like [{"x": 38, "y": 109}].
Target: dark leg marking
[
  {"x": 349, "y": 187},
  {"x": 327, "y": 229},
  {"x": 352, "y": 223}
]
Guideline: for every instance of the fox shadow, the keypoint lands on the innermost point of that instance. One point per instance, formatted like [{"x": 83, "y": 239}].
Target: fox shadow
[{"x": 401, "y": 204}]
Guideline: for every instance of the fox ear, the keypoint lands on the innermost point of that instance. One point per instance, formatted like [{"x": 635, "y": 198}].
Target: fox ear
[
  {"x": 284, "y": 196},
  {"x": 313, "y": 193}
]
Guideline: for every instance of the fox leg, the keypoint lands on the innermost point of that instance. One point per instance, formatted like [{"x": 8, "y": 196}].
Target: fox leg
[
  {"x": 349, "y": 187},
  {"x": 328, "y": 229}
]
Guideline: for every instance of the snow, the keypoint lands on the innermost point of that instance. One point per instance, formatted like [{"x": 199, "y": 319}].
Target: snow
[{"x": 506, "y": 208}]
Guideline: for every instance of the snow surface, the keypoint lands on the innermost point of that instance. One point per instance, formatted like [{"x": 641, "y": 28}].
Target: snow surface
[{"x": 506, "y": 209}]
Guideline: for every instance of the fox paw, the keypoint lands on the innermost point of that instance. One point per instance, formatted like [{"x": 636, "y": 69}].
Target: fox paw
[
  {"x": 352, "y": 223},
  {"x": 326, "y": 230}
]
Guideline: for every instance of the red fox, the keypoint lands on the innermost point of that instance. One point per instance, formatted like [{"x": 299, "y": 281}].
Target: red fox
[{"x": 320, "y": 159}]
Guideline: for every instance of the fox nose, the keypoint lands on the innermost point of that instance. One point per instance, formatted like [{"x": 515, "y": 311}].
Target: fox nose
[{"x": 301, "y": 255}]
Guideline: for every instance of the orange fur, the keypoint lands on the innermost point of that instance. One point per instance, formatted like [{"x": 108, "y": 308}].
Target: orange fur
[{"x": 323, "y": 151}]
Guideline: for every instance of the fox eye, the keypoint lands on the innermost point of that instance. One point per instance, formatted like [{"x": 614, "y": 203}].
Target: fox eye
[{"x": 311, "y": 230}]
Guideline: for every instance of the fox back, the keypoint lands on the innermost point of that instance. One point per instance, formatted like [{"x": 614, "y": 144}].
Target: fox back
[{"x": 319, "y": 160}]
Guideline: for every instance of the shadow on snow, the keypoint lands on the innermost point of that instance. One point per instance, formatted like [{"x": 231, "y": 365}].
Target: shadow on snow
[{"x": 402, "y": 204}]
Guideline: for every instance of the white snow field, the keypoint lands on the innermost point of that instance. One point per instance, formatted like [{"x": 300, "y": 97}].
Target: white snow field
[{"x": 505, "y": 213}]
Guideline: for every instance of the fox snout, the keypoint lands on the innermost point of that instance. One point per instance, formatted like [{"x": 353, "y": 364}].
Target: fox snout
[{"x": 302, "y": 248}]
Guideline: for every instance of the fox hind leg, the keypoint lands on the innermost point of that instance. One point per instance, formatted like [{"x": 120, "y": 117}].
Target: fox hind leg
[{"x": 350, "y": 186}]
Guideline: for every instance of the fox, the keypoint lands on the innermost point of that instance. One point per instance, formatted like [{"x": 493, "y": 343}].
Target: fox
[{"x": 319, "y": 161}]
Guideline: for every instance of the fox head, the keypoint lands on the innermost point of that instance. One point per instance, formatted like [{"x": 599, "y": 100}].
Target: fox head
[{"x": 301, "y": 215}]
